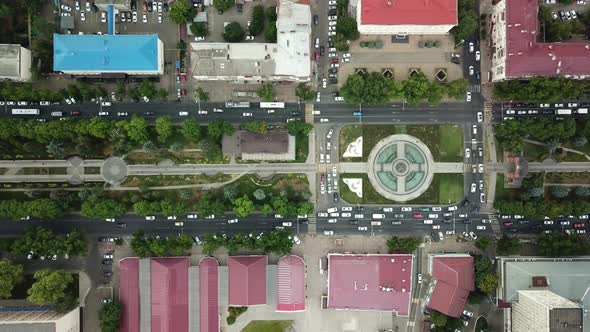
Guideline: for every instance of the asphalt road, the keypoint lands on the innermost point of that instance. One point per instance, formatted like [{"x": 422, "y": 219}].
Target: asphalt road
[{"x": 156, "y": 109}]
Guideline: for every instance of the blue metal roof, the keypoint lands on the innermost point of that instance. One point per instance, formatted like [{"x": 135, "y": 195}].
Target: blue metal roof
[
  {"x": 111, "y": 18},
  {"x": 105, "y": 53}
]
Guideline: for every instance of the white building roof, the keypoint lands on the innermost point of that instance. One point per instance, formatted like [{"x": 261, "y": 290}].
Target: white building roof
[{"x": 293, "y": 33}]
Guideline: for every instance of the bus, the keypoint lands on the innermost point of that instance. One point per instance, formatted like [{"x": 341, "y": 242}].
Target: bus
[
  {"x": 272, "y": 105},
  {"x": 238, "y": 104},
  {"x": 25, "y": 111},
  {"x": 563, "y": 111}
]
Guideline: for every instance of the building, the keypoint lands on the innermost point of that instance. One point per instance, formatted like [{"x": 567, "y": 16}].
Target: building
[
  {"x": 288, "y": 59},
  {"x": 545, "y": 311},
  {"x": 406, "y": 17},
  {"x": 108, "y": 55},
  {"x": 25, "y": 319},
  {"x": 167, "y": 294},
  {"x": 15, "y": 63},
  {"x": 518, "y": 51},
  {"x": 121, "y": 5},
  {"x": 370, "y": 282},
  {"x": 565, "y": 278},
  {"x": 453, "y": 280},
  {"x": 274, "y": 145}
]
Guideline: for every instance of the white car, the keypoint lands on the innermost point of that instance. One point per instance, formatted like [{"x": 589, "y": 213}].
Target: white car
[
  {"x": 482, "y": 198},
  {"x": 332, "y": 18},
  {"x": 332, "y": 55},
  {"x": 473, "y": 236},
  {"x": 339, "y": 98},
  {"x": 105, "y": 104},
  {"x": 110, "y": 219},
  {"x": 471, "y": 71},
  {"x": 103, "y": 113},
  {"x": 66, "y": 8},
  {"x": 87, "y": 6},
  {"x": 211, "y": 216},
  {"x": 317, "y": 99},
  {"x": 406, "y": 209},
  {"x": 183, "y": 113},
  {"x": 278, "y": 216},
  {"x": 428, "y": 221},
  {"x": 179, "y": 224},
  {"x": 232, "y": 221},
  {"x": 77, "y": 5},
  {"x": 122, "y": 114},
  {"x": 103, "y": 17},
  {"x": 150, "y": 218},
  {"x": 191, "y": 216},
  {"x": 144, "y": 18},
  {"x": 134, "y": 17},
  {"x": 218, "y": 110},
  {"x": 171, "y": 218},
  {"x": 321, "y": 158},
  {"x": 584, "y": 216},
  {"x": 287, "y": 224},
  {"x": 548, "y": 222},
  {"x": 479, "y": 117},
  {"x": 246, "y": 114},
  {"x": 328, "y": 158},
  {"x": 83, "y": 16},
  {"x": 471, "y": 47},
  {"x": 328, "y": 146},
  {"x": 467, "y": 153},
  {"x": 435, "y": 226},
  {"x": 480, "y": 168},
  {"x": 322, "y": 214},
  {"x": 468, "y": 96},
  {"x": 346, "y": 215},
  {"x": 329, "y": 134},
  {"x": 477, "y": 56},
  {"x": 331, "y": 23},
  {"x": 363, "y": 228},
  {"x": 159, "y": 17},
  {"x": 388, "y": 209},
  {"x": 159, "y": 6},
  {"x": 334, "y": 65},
  {"x": 324, "y": 83},
  {"x": 324, "y": 120},
  {"x": 481, "y": 228},
  {"x": 202, "y": 112},
  {"x": 199, "y": 38},
  {"x": 328, "y": 232},
  {"x": 473, "y": 187},
  {"x": 467, "y": 313}
]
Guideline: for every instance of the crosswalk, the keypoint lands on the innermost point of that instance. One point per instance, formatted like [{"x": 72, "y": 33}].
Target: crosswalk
[{"x": 476, "y": 88}]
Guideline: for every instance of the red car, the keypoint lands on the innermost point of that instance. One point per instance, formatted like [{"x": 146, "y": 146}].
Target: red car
[
  {"x": 334, "y": 60},
  {"x": 579, "y": 225},
  {"x": 508, "y": 223},
  {"x": 183, "y": 77},
  {"x": 317, "y": 55},
  {"x": 75, "y": 113},
  {"x": 183, "y": 92},
  {"x": 417, "y": 216}
]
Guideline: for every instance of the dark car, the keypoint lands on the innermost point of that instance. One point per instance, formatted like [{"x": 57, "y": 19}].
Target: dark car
[
  {"x": 523, "y": 221},
  {"x": 149, "y": 113},
  {"x": 477, "y": 75},
  {"x": 332, "y": 12},
  {"x": 316, "y": 19},
  {"x": 295, "y": 113},
  {"x": 165, "y": 6},
  {"x": 466, "y": 203},
  {"x": 466, "y": 221},
  {"x": 336, "y": 197},
  {"x": 133, "y": 5},
  {"x": 434, "y": 236},
  {"x": 240, "y": 7},
  {"x": 122, "y": 225},
  {"x": 107, "y": 273},
  {"x": 333, "y": 70},
  {"x": 447, "y": 221},
  {"x": 107, "y": 261},
  {"x": 322, "y": 50},
  {"x": 514, "y": 230},
  {"x": 333, "y": 81},
  {"x": 360, "y": 209},
  {"x": 149, "y": 5},
  {"x": 456, "y": 60},
  {"x": 304, "y": 221},
  {"x": 335, "y": 93},
  {"x": 353, "y": 222},
  {"x": 330, "y": 44}
]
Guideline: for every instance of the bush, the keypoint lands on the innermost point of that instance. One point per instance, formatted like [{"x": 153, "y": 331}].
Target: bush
[{"x": 230, "y": 320}]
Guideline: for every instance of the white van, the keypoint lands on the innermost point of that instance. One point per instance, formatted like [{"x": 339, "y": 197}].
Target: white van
[
  {"x": 378, "y": 216},
  {"x": 428, "y": 221},
  {"x": 582, "y": 111},
  {"x": 332, "y": 210}
]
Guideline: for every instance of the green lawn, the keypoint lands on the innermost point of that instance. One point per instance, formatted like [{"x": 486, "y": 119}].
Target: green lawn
[
  {"x": 444, "y": 188},
  {"x": 502, "y": 193},
  {"x": 301, "y": 148},
  {"x": 267, "y": 326},
  {"x": 572, "y": 178},
  {"x": 349, "y": 134},
  {"x": 444, "y": 141},
  {"x": 534, "y": 152}
]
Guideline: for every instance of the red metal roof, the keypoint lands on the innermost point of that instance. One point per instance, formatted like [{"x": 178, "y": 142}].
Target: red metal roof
[
  {"x": 169, "y": 294},
  {"x": 370, "y": 282},
  {"x": 527, "y": 57},
  {"x": 129, "y": 294},
  {"x": 291, "y": 283},
  {"x": 208, "y": 295},
  {"x": 408, "y": 12},
  {"x": 247, "y": 280},
  {"x": 454, "y": 282}
]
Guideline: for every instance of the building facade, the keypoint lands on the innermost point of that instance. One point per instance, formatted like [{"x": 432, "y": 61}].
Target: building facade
[
  {"x": 15, "y": 63},
  {"x": 545, "y": 311}
]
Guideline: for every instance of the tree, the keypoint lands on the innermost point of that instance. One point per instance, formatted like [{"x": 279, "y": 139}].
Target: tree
[
  {"x": 305, "y": 208},
  {"x": 146, "y": 208},
  {"x": 110, "y": 317},
  {"x": 223, "y": 5},
  {"x": 583, "y": 192},
  {"x": 199, "y": 29},
  {"x": 552, "y": 145},
  {"x": 483, "y": 243},
  {"x": 150, "y": 146},
  {"x": 369, "y": 89},
  {"x": 137, "y": 129},
  {"x": 99, "y": 127},
  {"x": 202, "y": 95},
  {"x": 259, "y": 194},
  {"x": 416, "y": 88},
  {"x": 341, "y": 44},
  {"x": 580, "y": 141},
  {"x": 230, "y": 191},
  {"x": 181, "y": 12},
  {"x": 169, "y": 207},
  {"x": 560, "y": 191},
  {"x": 210, "y": 205},
  {"x": 304, "y": 92},
  {"x": 540, "y": 89},
  {"x": 266, "y": 92},
  {"x": 44, "y": 208},
  {"x": 102, "y": 208},
  {"x": 435, "y": 93},
  {"x": 233, "y": 33},
  {"x": 488, "y": 283},
  {"x": 41, "y": 28},
  {"x": 257, "y": 126},
  {"x": 191, "y": 130},
  {"x": 218, "y": 128},
  {"x": 457, "y": 89},
  {"x": 402, "y": 244},
  {"x": 346, "y": 26},
  {"x": 299, "y": 127},
  {"x": 281, "y": 205},
  {"x": 270, "y": 35},
  {"x": 562, "y": 245},
  {"x": 10, "y": 275},
  {"x": 50, "y": 287},
  {"x": 257, "y": 25},
  {"x": 243, "y": 206},
  {"x": 56, "y": 149},
  {"x": 5, "y": 10},
  {"x": 508, "y": 246},
  {"x": 438, "y": 319},
  {"x": 164, "y": 128},
  {"x": 147, "y": 87}
]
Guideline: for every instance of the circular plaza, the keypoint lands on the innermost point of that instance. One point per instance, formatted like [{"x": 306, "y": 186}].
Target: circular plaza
[{"x": 400, "y": 167}]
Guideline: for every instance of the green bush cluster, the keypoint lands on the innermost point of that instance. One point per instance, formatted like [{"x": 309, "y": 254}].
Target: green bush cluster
[{"x": 278, "y": 242}]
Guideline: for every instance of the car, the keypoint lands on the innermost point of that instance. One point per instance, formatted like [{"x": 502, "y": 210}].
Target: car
[
  {"x": 154, "y": 6},
  {"x": 122, "y": 114},
  {"x": 232, "y": 221},
  {"x": 287, "y": 224},
  {"x": 435, "y": 226},
  {"x": 107, "y": 261},
  {"x": 482, "y": 198},
  {"x": 467, "y": 313},
  {"x": 159, "y": 6},
  {"x": 183, "y": 113},
  {"x": 564, "y": 223},
  {"x": 160, "y": 18},
  {"x": 108, "y": 256},
  {"x": 171, "y": 217},
  {"x": 87, "y": 6},
  {"x": 278, "y": 216},
  {"x": 324, "y": 83},
  {"x": 103, "y": 113},
  {"x": 246, "y": 114},
  {"x": 428, "y": 221},
  {"x": 316, "y": 19},
  {"x": 103, "y": 17},
  {"x": 472, "y": 235},
  {"x": 83, "y": 16},
  {"x": 471, "y": 47},
  {"x": 480, "y": 228},
  {"x": 322, "y": 214},
  {"x": 579, "y": 225},
  {"x": 144, "y": 18},
  {"x": 581, "y": 231},
  {"x": 416, "y": 215},
  {"x": 150, "y": 218},
  {"x": 202, "y": 112},
  {"x": 480, "y": 168},
  {"x": 481, "y": 185},
  {"x": 584, "y": 216},
  {"x": 477, "y": 56},
  {"x": 66, "y": 8},
  {"x": 134, "y": 17},
  {"x": 296, "y": 239},
  {"x": 218, "y": 110},
  {"x": 574, "y": 14},
  {"x": 580, "y": 2},
  {"x": 467, "y": 152},
  {"x": 332, "y": 17},
  {"x": 479, "y": 117},
  {"x": 339, "y": 98},
  {"x": 547, "y": 222},
  {"x": 406, "y": 209},
  {"x": 468, "y": 96},
  {"x": 518, "y": 216},
  {"x": 363, "y": 228},
  {"x": 328, "y": 232},
  {"x": 200, "y": 38},
  {"x": 471, "y": 71},
  {"x": 473, "y": 187}
]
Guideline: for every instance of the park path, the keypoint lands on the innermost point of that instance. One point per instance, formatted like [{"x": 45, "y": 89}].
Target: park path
[{"x": 561, "y": 147}]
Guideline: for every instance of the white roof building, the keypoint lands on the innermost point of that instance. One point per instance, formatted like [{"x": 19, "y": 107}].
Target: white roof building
[
  {"x": 15, "y": 63},
  {"x": 287, "y": 60}
]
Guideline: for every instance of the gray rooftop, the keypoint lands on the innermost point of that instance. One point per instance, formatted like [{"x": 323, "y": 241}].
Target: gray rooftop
[
  {"x": 9, "y": 60},
  {"x": 567, "y": 277},
  {"x": 565, "y": 320},
  {"x": 25, "y": 327}
]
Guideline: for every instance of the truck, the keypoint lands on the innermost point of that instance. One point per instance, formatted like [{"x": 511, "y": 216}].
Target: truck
[
  {"x": 237, "y": 104},
  {"x": 563, "y": 111},
  {"x": 25, "y": 111}
]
